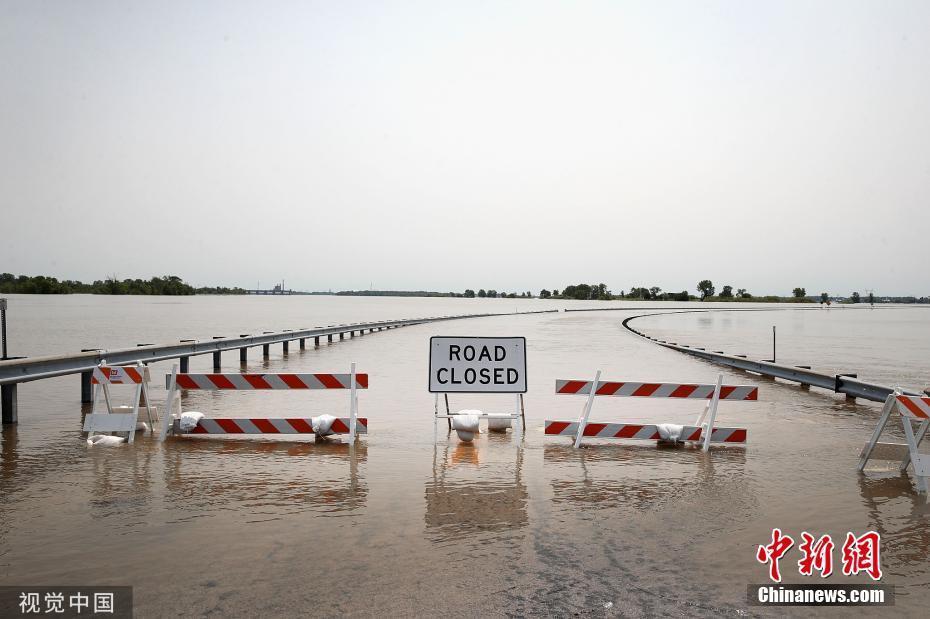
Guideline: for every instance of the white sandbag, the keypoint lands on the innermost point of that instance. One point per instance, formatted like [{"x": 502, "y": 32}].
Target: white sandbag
[
  {"x": 104, "y": 440},
  {"x": 141, "y": 426},
  {"x": 322, "y": 425},
  {"x": 670, "y": 431},
  {"x": 498, "y": 422},
  {"x": 466, "y": 426},
  {"x": 190, "y": 420}
]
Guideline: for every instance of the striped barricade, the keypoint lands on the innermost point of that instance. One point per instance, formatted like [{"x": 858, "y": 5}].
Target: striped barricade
[
  {"x": 122, "y": 419},
  {"x": 352, "y": 425},
  {"x": 262, "y": 425},
  {"x": 713, "y": 393},
  {"x": 912, "y": 409}
]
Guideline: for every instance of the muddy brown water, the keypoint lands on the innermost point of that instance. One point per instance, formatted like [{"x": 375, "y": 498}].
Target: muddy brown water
[{"x": 407, "y": 525}]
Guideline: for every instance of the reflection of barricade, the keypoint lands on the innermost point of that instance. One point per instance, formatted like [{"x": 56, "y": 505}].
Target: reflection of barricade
[
  {"x": 667, "y": 432},
  {"x": 352, "y": 425},
  {"x": 911, "y": 409},
  {"x": 468, "y": 501},
  {"x": 119, "y": 418}
]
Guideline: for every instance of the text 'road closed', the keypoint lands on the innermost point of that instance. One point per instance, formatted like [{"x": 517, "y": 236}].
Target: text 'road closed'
[{"x": 477, "y": 365}]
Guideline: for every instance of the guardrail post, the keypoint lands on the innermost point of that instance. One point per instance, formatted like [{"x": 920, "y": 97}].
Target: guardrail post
[
  {"x": 284, "y": 346},
  {"x": 8, "y": 403},
  {"x": 316, "y": 341},
  {"x": 329, "y": 338},
  {"x": 303, "y": 343},
  {"x": 266, "y": 350},
  {"x": 87, "y": 389},
  {"x": 216, "y": 356},
  {"x": 342, "y": 336},
  {"x": 839, "y": 383}
]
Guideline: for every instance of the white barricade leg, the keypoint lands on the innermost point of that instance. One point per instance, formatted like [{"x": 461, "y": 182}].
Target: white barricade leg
[
  {"x": 583, "y": 421},
  {"x": 169, "y": 402},
  {"x": 876, "y": 434},
  {"x": 921, "y": 463},
  {"x": 712, "y": 414},
  {"x": 353, "y": 404},
  {"x": 135, "y": 413},
  {"x": 921, "y": 432}
]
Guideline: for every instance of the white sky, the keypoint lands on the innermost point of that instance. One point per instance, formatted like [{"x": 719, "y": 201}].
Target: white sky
[{"x": 445, "y": 145}]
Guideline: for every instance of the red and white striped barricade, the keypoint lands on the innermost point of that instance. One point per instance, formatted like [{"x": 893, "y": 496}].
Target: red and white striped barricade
[
  {"x": 688, "y": 391},
  {"x": 912, "y": 409},
  {"x": 353, "y": 425},
  {"x": 485, "y": 365},
  {"x": 119, "y": 418}
]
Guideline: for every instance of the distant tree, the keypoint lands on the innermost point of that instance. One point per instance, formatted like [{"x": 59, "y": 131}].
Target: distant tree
[
  {"x": 727, "y": 292},
  {"x": 622, "y": 294},
  {"x": 740, "y": 292},
  {"x": 682, "y": 296},
  {"x": 799, "y": 293},
  {"x": 706, "y": 288},
  {"x": 871, "y": 298},
  {"x": 855, "y": 297},
  {"x": 529, "y": 294},
  {"x": 824, "y": 297},
  {"x": 743, "y": 294},
  {"x": 469, "y": 294},
  {"x": 654, "y": 291},
  {"x": 492, "y": 294},
  {"x": 482, "y": 294},
  {"x": 544, "y": 294}
]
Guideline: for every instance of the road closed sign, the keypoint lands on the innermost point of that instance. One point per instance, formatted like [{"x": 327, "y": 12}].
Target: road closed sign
[{"x": 477, "y": 365}]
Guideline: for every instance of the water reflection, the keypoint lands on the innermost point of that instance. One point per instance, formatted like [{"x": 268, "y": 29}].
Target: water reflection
[
  {"x": 898, "y": 512},
  {"x": 642, "y": 477},
  {"x": 269, "y": 478},
  {"x": 476, "y": 486}
]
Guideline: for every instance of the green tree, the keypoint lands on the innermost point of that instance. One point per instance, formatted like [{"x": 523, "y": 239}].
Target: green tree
[
  {"x": 654, "y": 292},
  {"x": 706, "y": 288},
  {"x": 727, "y": 292},
  {"x": 469, "y": 293},
  {"x": 482, "y": 294},
  {"x": 855, "y": 297},
  {"x": 544, "y": 294},
  {"x": 799, "y": 293},
  {"x": 492, "y": 294},
  {"x": 824, "y": 297}
]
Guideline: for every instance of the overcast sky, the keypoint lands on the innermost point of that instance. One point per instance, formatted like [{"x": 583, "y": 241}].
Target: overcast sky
[{"x": 444, "y": 145}]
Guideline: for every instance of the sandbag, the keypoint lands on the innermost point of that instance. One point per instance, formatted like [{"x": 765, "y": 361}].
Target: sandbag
[
  {"x": 190, "y": 420},
  {"x": 322, "y": 425},
  {"x": 670, "y": 432},
  {"x": 466, "y": 426}
]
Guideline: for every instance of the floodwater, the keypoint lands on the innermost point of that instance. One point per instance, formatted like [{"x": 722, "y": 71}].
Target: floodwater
[{"x": 408, "y": 523}]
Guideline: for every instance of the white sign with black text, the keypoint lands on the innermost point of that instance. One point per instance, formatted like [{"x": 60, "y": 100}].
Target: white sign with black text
[{"x": 477, "y": 365}]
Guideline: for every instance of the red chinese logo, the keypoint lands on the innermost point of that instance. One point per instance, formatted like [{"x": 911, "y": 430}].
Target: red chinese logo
[
  {"x": 773, "y": 552},
  {"x": 860, "y": 554},
  {"x": 817, "y": 555}
]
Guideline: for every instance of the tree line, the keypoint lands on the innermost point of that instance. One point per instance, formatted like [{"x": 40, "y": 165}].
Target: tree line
[{"x": 165, "y": 285}]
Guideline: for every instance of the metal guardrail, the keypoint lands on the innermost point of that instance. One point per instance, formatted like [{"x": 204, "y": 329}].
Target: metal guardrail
[
  {"x": 37, "y": 368},
  {"x": 838, "y": 383}
]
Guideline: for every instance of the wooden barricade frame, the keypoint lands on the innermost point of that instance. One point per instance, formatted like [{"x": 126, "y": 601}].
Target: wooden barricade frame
[
  {"x": 694, "y": 433},
  {"x": 102, "y": 378},
  {"x": 911, "y": 408},
  {"x": 352, "y": 425}
]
